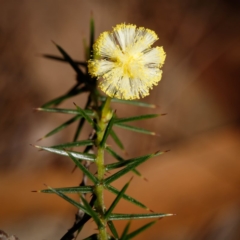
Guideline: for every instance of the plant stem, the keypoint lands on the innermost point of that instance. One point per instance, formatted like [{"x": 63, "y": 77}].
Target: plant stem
[
  {"x": 99, "y": 188},
  {"x": 106, "y": 115}
]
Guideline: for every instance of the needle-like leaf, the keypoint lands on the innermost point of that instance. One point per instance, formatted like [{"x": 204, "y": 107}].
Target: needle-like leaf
[
  {"x": 138, "y": 231},
  {"x": 78, "y": 155},
  {"x": 125, "y": 231},
  {"x": 79, "y": 128},
  {"x": 113, "y": 229},
  {"x": 126, "y": 162},
  {"x": 126, "y": 197},
  {"x": 53, "y": 57},
  {"x": 114, "y": 154},
  {"x": 116, "y": 200},
  {"x": 82, "y": 121},
  {"x": 135, "y": 129},
  {"x": 74, "y": 144},
  {"x": 84, "y": 169},
  {"x": 58, "y": 100},
  {"x": 86, "y": 150},
  {"x": 71, "y": 62},
  {"x": 88, "y": 119},
  {"x": 79, "y": 225},
  {"x": 133, "y": 164},
  {"x": 121, "y": 216},
  {"x": 62, "y": 126},
  {"x": 92, "y": 213},
  {"x": 78, "y": 189},
  {"x": 66, "y": 111},
  {"x": 107, "y": 131},
  {"x": 68, "y": 199},
  {"x": 120, "y": 159},
  {"x": 116, "y": 139},
  {"x": 136, "y": 118}
]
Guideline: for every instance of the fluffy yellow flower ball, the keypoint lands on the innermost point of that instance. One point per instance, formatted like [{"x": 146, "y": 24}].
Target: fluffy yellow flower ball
[{"x": 125, "y": 63}]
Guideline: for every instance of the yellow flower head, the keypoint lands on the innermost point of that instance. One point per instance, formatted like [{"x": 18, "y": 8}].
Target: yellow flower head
[{"x": 126, "y": 64}]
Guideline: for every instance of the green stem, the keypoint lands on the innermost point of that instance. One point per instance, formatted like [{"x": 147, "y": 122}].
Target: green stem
[{"x": 106, "y": 115}]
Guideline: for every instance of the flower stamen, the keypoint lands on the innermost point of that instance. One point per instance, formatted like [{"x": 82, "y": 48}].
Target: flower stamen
[{"x": 127, "y": 66}]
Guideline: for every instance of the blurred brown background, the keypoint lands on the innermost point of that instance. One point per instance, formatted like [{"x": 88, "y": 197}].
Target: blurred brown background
[{"x": 198, "y": 179}]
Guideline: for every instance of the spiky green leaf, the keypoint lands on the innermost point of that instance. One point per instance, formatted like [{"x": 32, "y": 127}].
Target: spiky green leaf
[
  {"x": 113, "y": 229},
  {"x": 86, "y": 150},
  {"x": 107, "y": 131},
  {"x": 79, "y": 225},
  {"x": 84, "y": 169},
  {"x": 125, "y": 231},
  {"x": 136, "y": 118},
  {"x": 74, "y": 144},
  {"x": 82, "y": 121},
  {"x": 78, "y": 155},
  {"x": 61, "y": 127},
  {"x": 71, "y": 62},
  {"x": 120, "y": 159},
  {"x": 68, "y": 199},
  {"x": 58, "y": 100},
  {"x": 135, "y": 129},
  {"x": 116, "y": 139},
  {"x": 127, "y": 162},
  {"x": 122, "y": 216},
  {"x": 79, "y": 129},
  {"x": 131, "y": 165},
  {"x": 78, "y": 189},
  {"x": 66, "y": 111},
  {"x": 92, "y": 212},
  {"x": 126, "y": 197},
  {"x": 53, "y": 57},
  {"x": 88, "y": 119},
  {"x": 116, "y": 200},
  {"x": 139, "y": 230}
]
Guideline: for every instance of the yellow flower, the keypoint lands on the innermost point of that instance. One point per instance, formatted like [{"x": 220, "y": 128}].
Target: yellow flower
[{"x": 125, "y": 63}]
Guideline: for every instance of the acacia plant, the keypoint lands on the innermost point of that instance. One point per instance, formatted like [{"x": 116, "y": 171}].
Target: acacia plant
[{"x": 124, "y": 66}]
